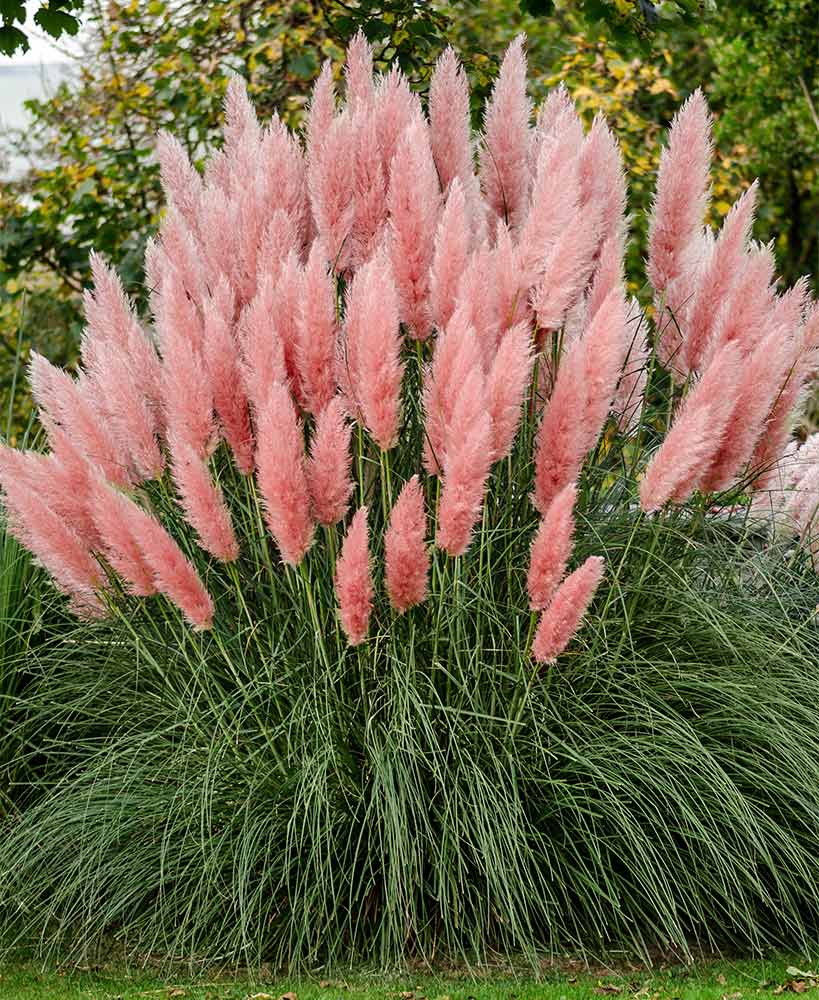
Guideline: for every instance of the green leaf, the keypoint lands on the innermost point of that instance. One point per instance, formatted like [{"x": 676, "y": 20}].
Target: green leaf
[
  {"x": 55, "y": 22},
  {"x": 12, "y": 39},
  {"x": 538, "y": 8}
]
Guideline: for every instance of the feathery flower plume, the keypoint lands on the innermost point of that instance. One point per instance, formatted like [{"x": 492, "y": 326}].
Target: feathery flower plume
[
  {"x": 321, "y": 111},
  {"x": 567, "y": 270},
  {"x": 65, "y": 403},
  {"x": 608, "y": 274},
  {"x": 317, "y": 342},
  {"x": 580, "y": 402},
  {"x": 372, "y": 368},
  {"x": 328, "y": 467},
  {"x": 353, "y": 580},
  {"x": 261, "y": 348},
  {"x": 370, "y": 193},
  {"x": 551, "y": 548},
  {"x": 286, "y": 314},
  {"x": 222, "y": 363},
  {"x": 510, "y": 287},
  {"x": 603, "y": 179},
  {"x": 555, "y": 199},
  {"x": 109, "y": 509},
  {"x": 560, "y": 621},
  {"x": 180, "y": 181},
  {"x": 332, "y": 195},
  {"x": 764, "y": 374},
  {"x": 110, "y": 317},
  {"x": 696, "y": 434},
  {"x": 467, "y": 461},
  {"x": 280, "y": 237},
  {"x": 130, "y": 419},
  {"x": 202, "y": 502},
  {"x": 48, "y": 535},
  {"x": 450, "y": 255},
  {"x": 477, "y": 297},
  {"x": 414, "y": 204},
  {"x": 186, "y": 390},
  {"x": 406, "y": 556},
  {"x": 745, "y": 313},
  {"x": 281, "y": 475},
  {"x": 683, "y": 191},
  {"x": 396, "y": 108},
  {"x": 449, "y": 122},
  {"x": 504, "y": 155},
  {"x": 721, "y": 272},
  {"x": 457, "y": 352},
  {"x": 557, "y": 105},
  {"x": 172, "y": 572},
  {"x": 358, "y": 72},
  {"x": 506, "y": 386}
]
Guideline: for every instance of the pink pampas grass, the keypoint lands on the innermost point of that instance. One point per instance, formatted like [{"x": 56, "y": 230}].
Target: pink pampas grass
[
  {"x": 371, "y": 367},
  {"x": 456, "y": 354},
  {"x": 551, "y": 548},
  {"x": 719, "y": 275},
  {"x": 406, "y": 557},
  {"x": 317, "y": 342},
  {"x": 118, "y": 545},
  {"x": 358, "y": 72},
  {"x": 567, "y": 269},
  {"x": 682, "y": 194},
  {"x": 450, "y": 256},
  {"x": 581, "y": 400},
  {"x": 320, "y": 112},
  {"x": 172, "y": 573},
  {"x": 202, "y": 502},
  {"x": 281, "y": 475},
  {"x": 506, "y": 385},
  {"x": 353, "y": 580},
  {"x": 696, "y": 434},
  {"x": 262, "y": 352},
  {"x": 467, "y": 461},
  {"x": 223, "y": 366},
  {"x": 449, "y": 123},
  {"x": 331, "y": 186},
  {"x": 48, "y": 536},
  {"x": 504, "y": 156},
  {"x": 414, "y": 204},
  {"x": 560, "y": 621},
  {"x": 328, "y": 467}
]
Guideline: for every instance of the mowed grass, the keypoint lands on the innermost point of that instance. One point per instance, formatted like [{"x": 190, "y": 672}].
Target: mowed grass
[{"x": 723, "y": 980}]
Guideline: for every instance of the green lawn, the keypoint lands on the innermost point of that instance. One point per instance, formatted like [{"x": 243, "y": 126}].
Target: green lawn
[{"x": 722, "y": 980}]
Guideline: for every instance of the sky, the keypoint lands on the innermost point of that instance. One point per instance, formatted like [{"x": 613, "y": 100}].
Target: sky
[{"x": 42, "y": 47}]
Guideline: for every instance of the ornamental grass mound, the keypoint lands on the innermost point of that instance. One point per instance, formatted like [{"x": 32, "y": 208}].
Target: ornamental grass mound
[{"x": 433, "y": 596}]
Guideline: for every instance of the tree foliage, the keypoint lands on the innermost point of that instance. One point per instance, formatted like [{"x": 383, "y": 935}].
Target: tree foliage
[{"x": 55, "y": 17}]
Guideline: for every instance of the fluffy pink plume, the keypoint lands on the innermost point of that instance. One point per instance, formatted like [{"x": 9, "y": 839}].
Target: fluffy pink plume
[
  {"x": 551, "y": 548},
  {"x": 262, "y": 352},
  {"x": 328, "y": 467},
  {"x": 353, "y": 580},
  {"x": 202, "y": 502},
  {"x": 580, "y": 402},
  {"x": 129, "y": 416},
  {"x": 719, "y": 276},
  {"x": 223, "y": 366},
  {"x": 118, "y": 545},
  {"x": 320, "y": 112},
  {"x": 467, "y": 462},
  {"x": 449, "y": 121},
  {"x": 172, "y": 572},
  {"x": 567, "y": 270},
  {"x": 68, "y": 404},
  {"x": 317, "y": 341},
  {"x": 457, "y": 352},
  {"x": 371, "y": 367},
  {"x": 504, "y": 157},
  {"x": 628, "y": 399},
  {"x": 48, "y": 536},
  {"x": 358, "y": 72},
  {"x": 683, "y": 190},
  {"x": 450, "y": 256},
  {"x": 280, "y": 471},
  {"x": 180, "y": 181},
  {"x": 696, "y": 435},
  {"x": 414, "y": 203},
  {"x": 406, "y": 557},
  {"x": 561, "y": 620},
  {"x": 331, "y": 185},
  {"x": 506, "y": 385},
  {"x": 603, "y": 179}
]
